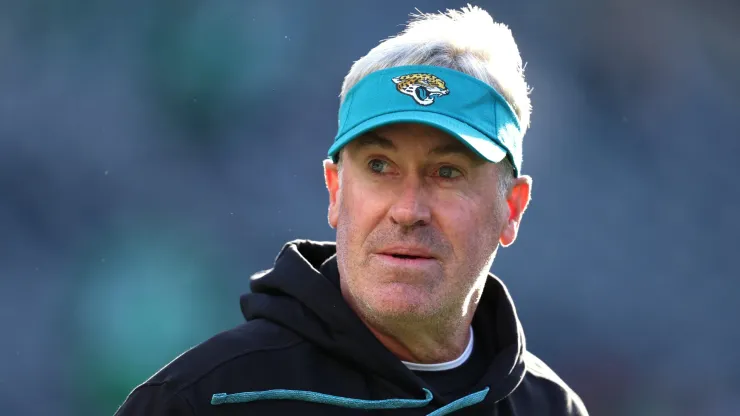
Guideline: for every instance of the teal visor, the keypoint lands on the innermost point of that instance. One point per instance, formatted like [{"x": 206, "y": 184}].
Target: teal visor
[{"x": 463, "y": 106}]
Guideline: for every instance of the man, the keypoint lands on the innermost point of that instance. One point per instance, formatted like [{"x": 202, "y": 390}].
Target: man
[{"x": 401, "y": 315}]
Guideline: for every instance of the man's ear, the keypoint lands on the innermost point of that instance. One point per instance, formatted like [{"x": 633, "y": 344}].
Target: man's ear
[
  {"x": 331, "y": 177},
  {"x": 517, "y": 200}
]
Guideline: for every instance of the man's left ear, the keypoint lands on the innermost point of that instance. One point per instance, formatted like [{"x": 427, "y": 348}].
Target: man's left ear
[{"x": 517, "y": 200}]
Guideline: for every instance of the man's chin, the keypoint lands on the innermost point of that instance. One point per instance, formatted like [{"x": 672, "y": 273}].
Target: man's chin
[{"x": 398, "y": 301}]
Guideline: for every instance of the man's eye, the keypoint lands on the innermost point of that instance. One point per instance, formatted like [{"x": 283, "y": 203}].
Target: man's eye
[
  {"x": 448, "y": 172},
  {"x": 377, "y": 165}
]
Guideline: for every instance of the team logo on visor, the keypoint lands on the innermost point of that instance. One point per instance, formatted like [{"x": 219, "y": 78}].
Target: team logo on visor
[{"x": 423, "y": 88}]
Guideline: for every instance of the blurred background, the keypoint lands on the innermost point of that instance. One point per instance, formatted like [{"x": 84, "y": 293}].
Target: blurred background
[{"x": 154, "y": 154}]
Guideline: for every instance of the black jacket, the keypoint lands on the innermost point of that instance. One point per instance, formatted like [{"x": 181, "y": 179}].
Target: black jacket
[{"x": 303, "y": 351}]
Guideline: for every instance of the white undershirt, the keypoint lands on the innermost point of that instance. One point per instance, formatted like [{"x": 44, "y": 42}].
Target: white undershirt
[{"x": 449, "y": 365}]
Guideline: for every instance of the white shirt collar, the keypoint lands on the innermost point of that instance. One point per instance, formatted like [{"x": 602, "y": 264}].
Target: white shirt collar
[{"x": 449, "y": 365}]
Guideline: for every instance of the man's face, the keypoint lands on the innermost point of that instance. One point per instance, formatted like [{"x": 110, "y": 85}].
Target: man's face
[{"x": 419, "y": 218}]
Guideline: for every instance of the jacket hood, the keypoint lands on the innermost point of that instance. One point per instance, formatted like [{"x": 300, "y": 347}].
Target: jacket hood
[{"x": 301, "y": 292}]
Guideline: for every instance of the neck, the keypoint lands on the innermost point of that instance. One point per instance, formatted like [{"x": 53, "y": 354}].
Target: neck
[
  {"x": 423, "y": 347},
  {"x": 417, "y": 340}
]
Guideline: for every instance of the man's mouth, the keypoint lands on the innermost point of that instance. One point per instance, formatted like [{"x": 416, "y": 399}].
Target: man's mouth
[
  {"x": 408, "y": 256},
  {"x": 408, "y": 253}
]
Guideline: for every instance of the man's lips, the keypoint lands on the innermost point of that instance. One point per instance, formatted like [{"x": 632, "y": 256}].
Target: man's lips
[{"x": 406, "y": 252}]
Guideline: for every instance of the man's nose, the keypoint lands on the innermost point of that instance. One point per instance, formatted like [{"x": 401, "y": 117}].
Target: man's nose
[{"x": 411, "y": 207}]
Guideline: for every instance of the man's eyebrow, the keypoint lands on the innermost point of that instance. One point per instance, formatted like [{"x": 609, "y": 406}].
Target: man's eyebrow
[
  {"x": 448, "y": 148},
  {"x": 456, "y": 148},
  {"x": 372, "y": 138}
]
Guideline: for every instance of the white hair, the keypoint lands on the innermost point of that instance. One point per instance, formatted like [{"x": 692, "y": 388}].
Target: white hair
[{"x": 466, "y": 40}]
